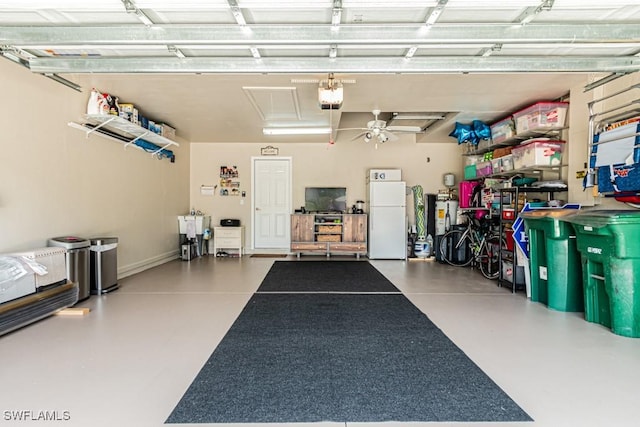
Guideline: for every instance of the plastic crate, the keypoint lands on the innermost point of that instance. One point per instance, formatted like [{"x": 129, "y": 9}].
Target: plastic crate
[
  {"x": 538, "y": 153},
  {"x": 484, "y": 169},
  {"x": 470, "y": 171},
  {"x": 503, "y": 130},
  {"x": 541, "y": 116}
]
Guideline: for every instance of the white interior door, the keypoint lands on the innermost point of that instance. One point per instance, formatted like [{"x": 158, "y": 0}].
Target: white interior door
[{"x": 271, "y": 202}]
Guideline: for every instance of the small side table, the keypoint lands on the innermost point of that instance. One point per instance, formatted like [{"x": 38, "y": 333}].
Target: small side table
[{"x": 228, "y": 238}]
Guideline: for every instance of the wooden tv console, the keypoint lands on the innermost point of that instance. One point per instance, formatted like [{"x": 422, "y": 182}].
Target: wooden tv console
[{"x": 329, "y": 233}]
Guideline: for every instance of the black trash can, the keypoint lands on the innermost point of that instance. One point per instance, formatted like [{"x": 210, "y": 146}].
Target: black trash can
[
  {"x": 104, "y": 264},
  {"x": 77, "y": 260}
]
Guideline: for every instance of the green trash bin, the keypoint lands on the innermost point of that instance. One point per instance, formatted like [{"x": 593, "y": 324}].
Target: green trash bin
[
  {"x": 609, "y": 245},
  {"x": 556, "y": 272}
]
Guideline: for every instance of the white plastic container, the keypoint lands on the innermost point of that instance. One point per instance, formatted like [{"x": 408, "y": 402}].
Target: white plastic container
[
  {"x": 541, "y": 116},
  {"x": 538, "y": 153},
  {"x": 503, "y": 130}
]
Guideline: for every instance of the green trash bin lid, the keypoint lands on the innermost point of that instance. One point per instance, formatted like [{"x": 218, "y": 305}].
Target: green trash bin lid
[
  {"x": 552, "y": 213},
  {"x": 599, "y": 218},
  {"x": 551, "y": 221}
]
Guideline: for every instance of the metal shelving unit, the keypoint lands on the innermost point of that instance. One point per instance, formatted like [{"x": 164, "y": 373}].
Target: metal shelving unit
[
  {"x": 510, "y": 255},
  {"x": 517, "y": 139},
  {"x": 122, "y": 130}
]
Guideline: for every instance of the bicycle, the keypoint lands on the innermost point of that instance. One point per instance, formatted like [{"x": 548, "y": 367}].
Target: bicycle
[{"x": 477, "y": 244}]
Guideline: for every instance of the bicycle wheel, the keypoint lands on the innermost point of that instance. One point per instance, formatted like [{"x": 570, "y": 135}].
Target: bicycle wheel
[
  {"x": 455, "y": 248},
  {"x": 489, "y": 257}
]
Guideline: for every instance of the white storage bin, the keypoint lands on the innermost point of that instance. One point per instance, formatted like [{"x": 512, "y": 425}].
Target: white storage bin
[
  {"x": 541, "y": 116},
  {"x": 503, "y": 130},
  {"x": 538, "y": 153}
]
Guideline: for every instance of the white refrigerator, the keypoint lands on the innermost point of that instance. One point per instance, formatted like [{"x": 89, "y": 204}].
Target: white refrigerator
[{"x": 387, "y": 204}]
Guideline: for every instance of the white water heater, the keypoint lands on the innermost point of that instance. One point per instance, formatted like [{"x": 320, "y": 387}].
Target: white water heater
[{"x": 446, "y": 215}]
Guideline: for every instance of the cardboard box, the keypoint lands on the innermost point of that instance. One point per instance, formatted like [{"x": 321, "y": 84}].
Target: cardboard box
[
  {"x": 167, "y": 131},
  {"x": 53, "y": 259}
]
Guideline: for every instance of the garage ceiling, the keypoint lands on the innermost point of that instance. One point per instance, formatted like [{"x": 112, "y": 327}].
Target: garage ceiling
[{"x": 221, "y": 70}]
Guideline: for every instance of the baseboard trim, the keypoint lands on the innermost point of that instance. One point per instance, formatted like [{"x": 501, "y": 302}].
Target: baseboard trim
[{"x": 146, "y": 264}]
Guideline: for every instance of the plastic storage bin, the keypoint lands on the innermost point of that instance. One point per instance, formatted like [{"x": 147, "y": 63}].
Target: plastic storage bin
[
  {"x": 470, "y": 171},
  {"x": 503, "y": 130},
  {"x": 484, "y": 169},
  {"x": 538, "y": 153},
  {"x": 609, "y": 246},
  {"x": 541, "y": 116},
  {"x": 556, "y": 272}
]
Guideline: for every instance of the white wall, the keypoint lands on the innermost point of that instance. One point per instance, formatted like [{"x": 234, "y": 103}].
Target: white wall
[
  {"x": 54, "y": 181},
  {"x": 343, "y": 164},
  {"x": 346, "y": 163}
]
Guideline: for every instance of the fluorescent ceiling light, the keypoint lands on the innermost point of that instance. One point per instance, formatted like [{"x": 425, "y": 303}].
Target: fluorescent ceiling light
[{"x": 297, "y": 131}]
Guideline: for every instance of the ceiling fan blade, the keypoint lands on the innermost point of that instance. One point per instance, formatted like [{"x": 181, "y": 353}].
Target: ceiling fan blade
[
  {"x": 414, "y": 129},
  {"x": 358, "y": 136},
  {"x": 337, "y": 130},
  {"x": 390, "y": 136}
]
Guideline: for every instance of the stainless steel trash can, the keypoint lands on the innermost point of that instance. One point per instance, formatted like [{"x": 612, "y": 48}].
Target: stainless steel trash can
[
  {"x": 77, "y": 260},
  {"x": 104, "y": 264}
]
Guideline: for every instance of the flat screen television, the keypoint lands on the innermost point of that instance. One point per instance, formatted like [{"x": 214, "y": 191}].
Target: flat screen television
[{"x": 325, "y": 199}]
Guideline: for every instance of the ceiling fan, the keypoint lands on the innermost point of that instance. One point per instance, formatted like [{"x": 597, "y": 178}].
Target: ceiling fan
[{"x": 378, "y": 131}]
